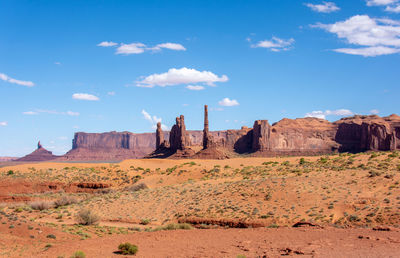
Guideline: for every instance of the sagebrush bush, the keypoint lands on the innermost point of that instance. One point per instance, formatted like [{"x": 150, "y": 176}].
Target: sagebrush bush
[
  {"x": 41, "y": 205},
  {"x": 136, "y": 187},
  {"x": 128, "y": 249},
  {"x": 65, "y": 200},
  {"x": 86, "y": 217},
  {"x": 79, "y": 254}
]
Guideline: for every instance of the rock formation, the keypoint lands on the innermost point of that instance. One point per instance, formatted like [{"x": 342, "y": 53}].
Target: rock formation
[
  {"x": 159, "y": 136},
  {"x": 207, "y": 138},
  {"x": 40, "y": 154},
  {"x": 261, "y": 136},
  {"x": 302, "y": 136}
]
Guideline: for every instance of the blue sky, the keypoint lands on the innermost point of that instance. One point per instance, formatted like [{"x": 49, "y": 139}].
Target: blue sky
[{"x": 97, "y": 66}]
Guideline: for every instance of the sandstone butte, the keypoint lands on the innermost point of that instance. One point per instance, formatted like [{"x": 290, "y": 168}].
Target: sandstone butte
[{"x": 302, "y": 136}]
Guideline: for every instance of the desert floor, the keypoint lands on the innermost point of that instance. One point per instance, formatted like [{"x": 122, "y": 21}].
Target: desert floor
[{"x": 349, "y": 206}]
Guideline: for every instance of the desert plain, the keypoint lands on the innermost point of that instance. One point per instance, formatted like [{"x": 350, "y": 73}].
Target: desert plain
[{"x": 340, "y": 205}]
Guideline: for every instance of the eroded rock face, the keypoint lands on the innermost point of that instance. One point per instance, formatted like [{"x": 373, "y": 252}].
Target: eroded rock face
[
  {"x": 207, "y": 137},
  {"x": 159, "y": 136},
  {"x": 364, "y": 133},
  {"x": 40, "y": 154},
  {"x": 177, "y": 136},
  {"x": 261, "y": 136}
]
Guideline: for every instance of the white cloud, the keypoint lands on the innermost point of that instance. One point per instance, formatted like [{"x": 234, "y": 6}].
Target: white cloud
[
  {"x": 4, "y": 123},
  {"x": 275, "y": 44},
  {"x": 195, "y": 87},
  {"x": 226, "y": 102},
  {"x": 374, "y": 111},
  {"x": 393, "y": 9},
  {"x": 171, "y": 46},
  {"x": 180, "y": 76},
  {"x": 30, "y": 113},
  {"x": 139, "y": 48},
  {"x": 6, "y": 78},
  {"x": 133, "y": 48},
  {"x": 52, "y": 112},
  {"x": 70, "y": 113},
  {"x": 377, "y": 36},
  {"x": 368, "y": 51},
  {"x": 111, "y": 93},
  {"x": 153, "y": 120},
  {"x": 107, "y": 44},
  {"x": 324, "y": 114},
  {"x": 380, "y": 2},
  {"x": 325, "y": 7},
  {"x": 85, "y": 96}
]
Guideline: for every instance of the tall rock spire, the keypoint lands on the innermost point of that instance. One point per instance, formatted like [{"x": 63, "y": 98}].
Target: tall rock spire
[
  {"x": 159, "y": 136},
  {"x": 206, "y": 132}
]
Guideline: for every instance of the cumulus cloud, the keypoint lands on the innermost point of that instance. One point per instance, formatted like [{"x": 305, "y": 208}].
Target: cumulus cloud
[
  {"x": 171, "y": 46},
  {"x": 85, "y": 96},
  {"x": 180, "y": 76},
  {"x": 226, "y": 102},
  {"x": 195, "y": 87},
  {"x": 153, "y": 120},
  {"x": 275, "y": 44},
  {"x": 324, "y": 114},
  {"x": 325, "y": 7},
  {"x": 52, "y": 112},
  {"x": 107, "y": 44},
  {"x": 3, "y": 123},
  {"x": 380, "y": 2},
  {"x": 139, "y": 48},
  {"x": 6, "y": 78},
  {"x": 374, "y": 37},
  {"x": 129, "y": 49},
  {"x": 393, "y": 9}
]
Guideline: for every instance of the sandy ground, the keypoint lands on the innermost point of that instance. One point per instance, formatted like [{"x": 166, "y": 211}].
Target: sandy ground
[{"x": 347, "y": 195}]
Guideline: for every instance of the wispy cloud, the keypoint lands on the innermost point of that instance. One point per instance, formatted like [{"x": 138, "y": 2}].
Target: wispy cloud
[
  {"x": 181, "y": 76},
  {"x": 153, "y": 120},
  {"x": 138, "y": 47},
  {"x": 374, "y": 111},
  {"x": 226, "y": 102},
  {"x": 195, "y": 87},
  {"x": 52, "y": 112},
  {"x": 111, "y": 93},
  {"x": 3, "y": 123},
  {"x": 7, "y": 78},
  {"x": 324, "y": 114},
  {"x": 374, "y": 36},
  {"x": 275, "y": 44},
  {"x": 381, "y": 2},
  {"x": 85, "y": 96},
  {"x": 325, "y": 7}
]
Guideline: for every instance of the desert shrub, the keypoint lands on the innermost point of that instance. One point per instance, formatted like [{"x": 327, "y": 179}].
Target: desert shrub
[
  {"x": 145, "y": 221},
  {"x": 51, "y": 236},
  {"x": 173, "y": 226},
  {"x": 86, "y": 217},
  {"x": 79, "y": 254},
  {"x": 302, "y": 161},
  {"x": 41, "y": 205},
  {"x": 65, "y": 200},
  {"x": 374, "y": 173},
  {"x": 136, "y": 187},
  {"x": 127, "y": 249},
  {"x": 10, "y": 172}
]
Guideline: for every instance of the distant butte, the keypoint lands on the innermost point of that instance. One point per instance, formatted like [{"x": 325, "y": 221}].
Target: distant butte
[
  {"x": 40, "y": 154},
  {"x": 302, "y": 136}
]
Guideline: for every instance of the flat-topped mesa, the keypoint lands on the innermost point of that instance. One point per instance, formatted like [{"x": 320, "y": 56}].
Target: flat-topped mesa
[
  {"x": 177, "y": 136},
  {"x": 207, "y": 137},
  {"x": 159, "y": 136}
]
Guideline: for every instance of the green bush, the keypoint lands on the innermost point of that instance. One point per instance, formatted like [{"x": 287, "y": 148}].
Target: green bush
[
  {"x": 127, "y": 249},
  {"x": 79, "y": 254}
]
